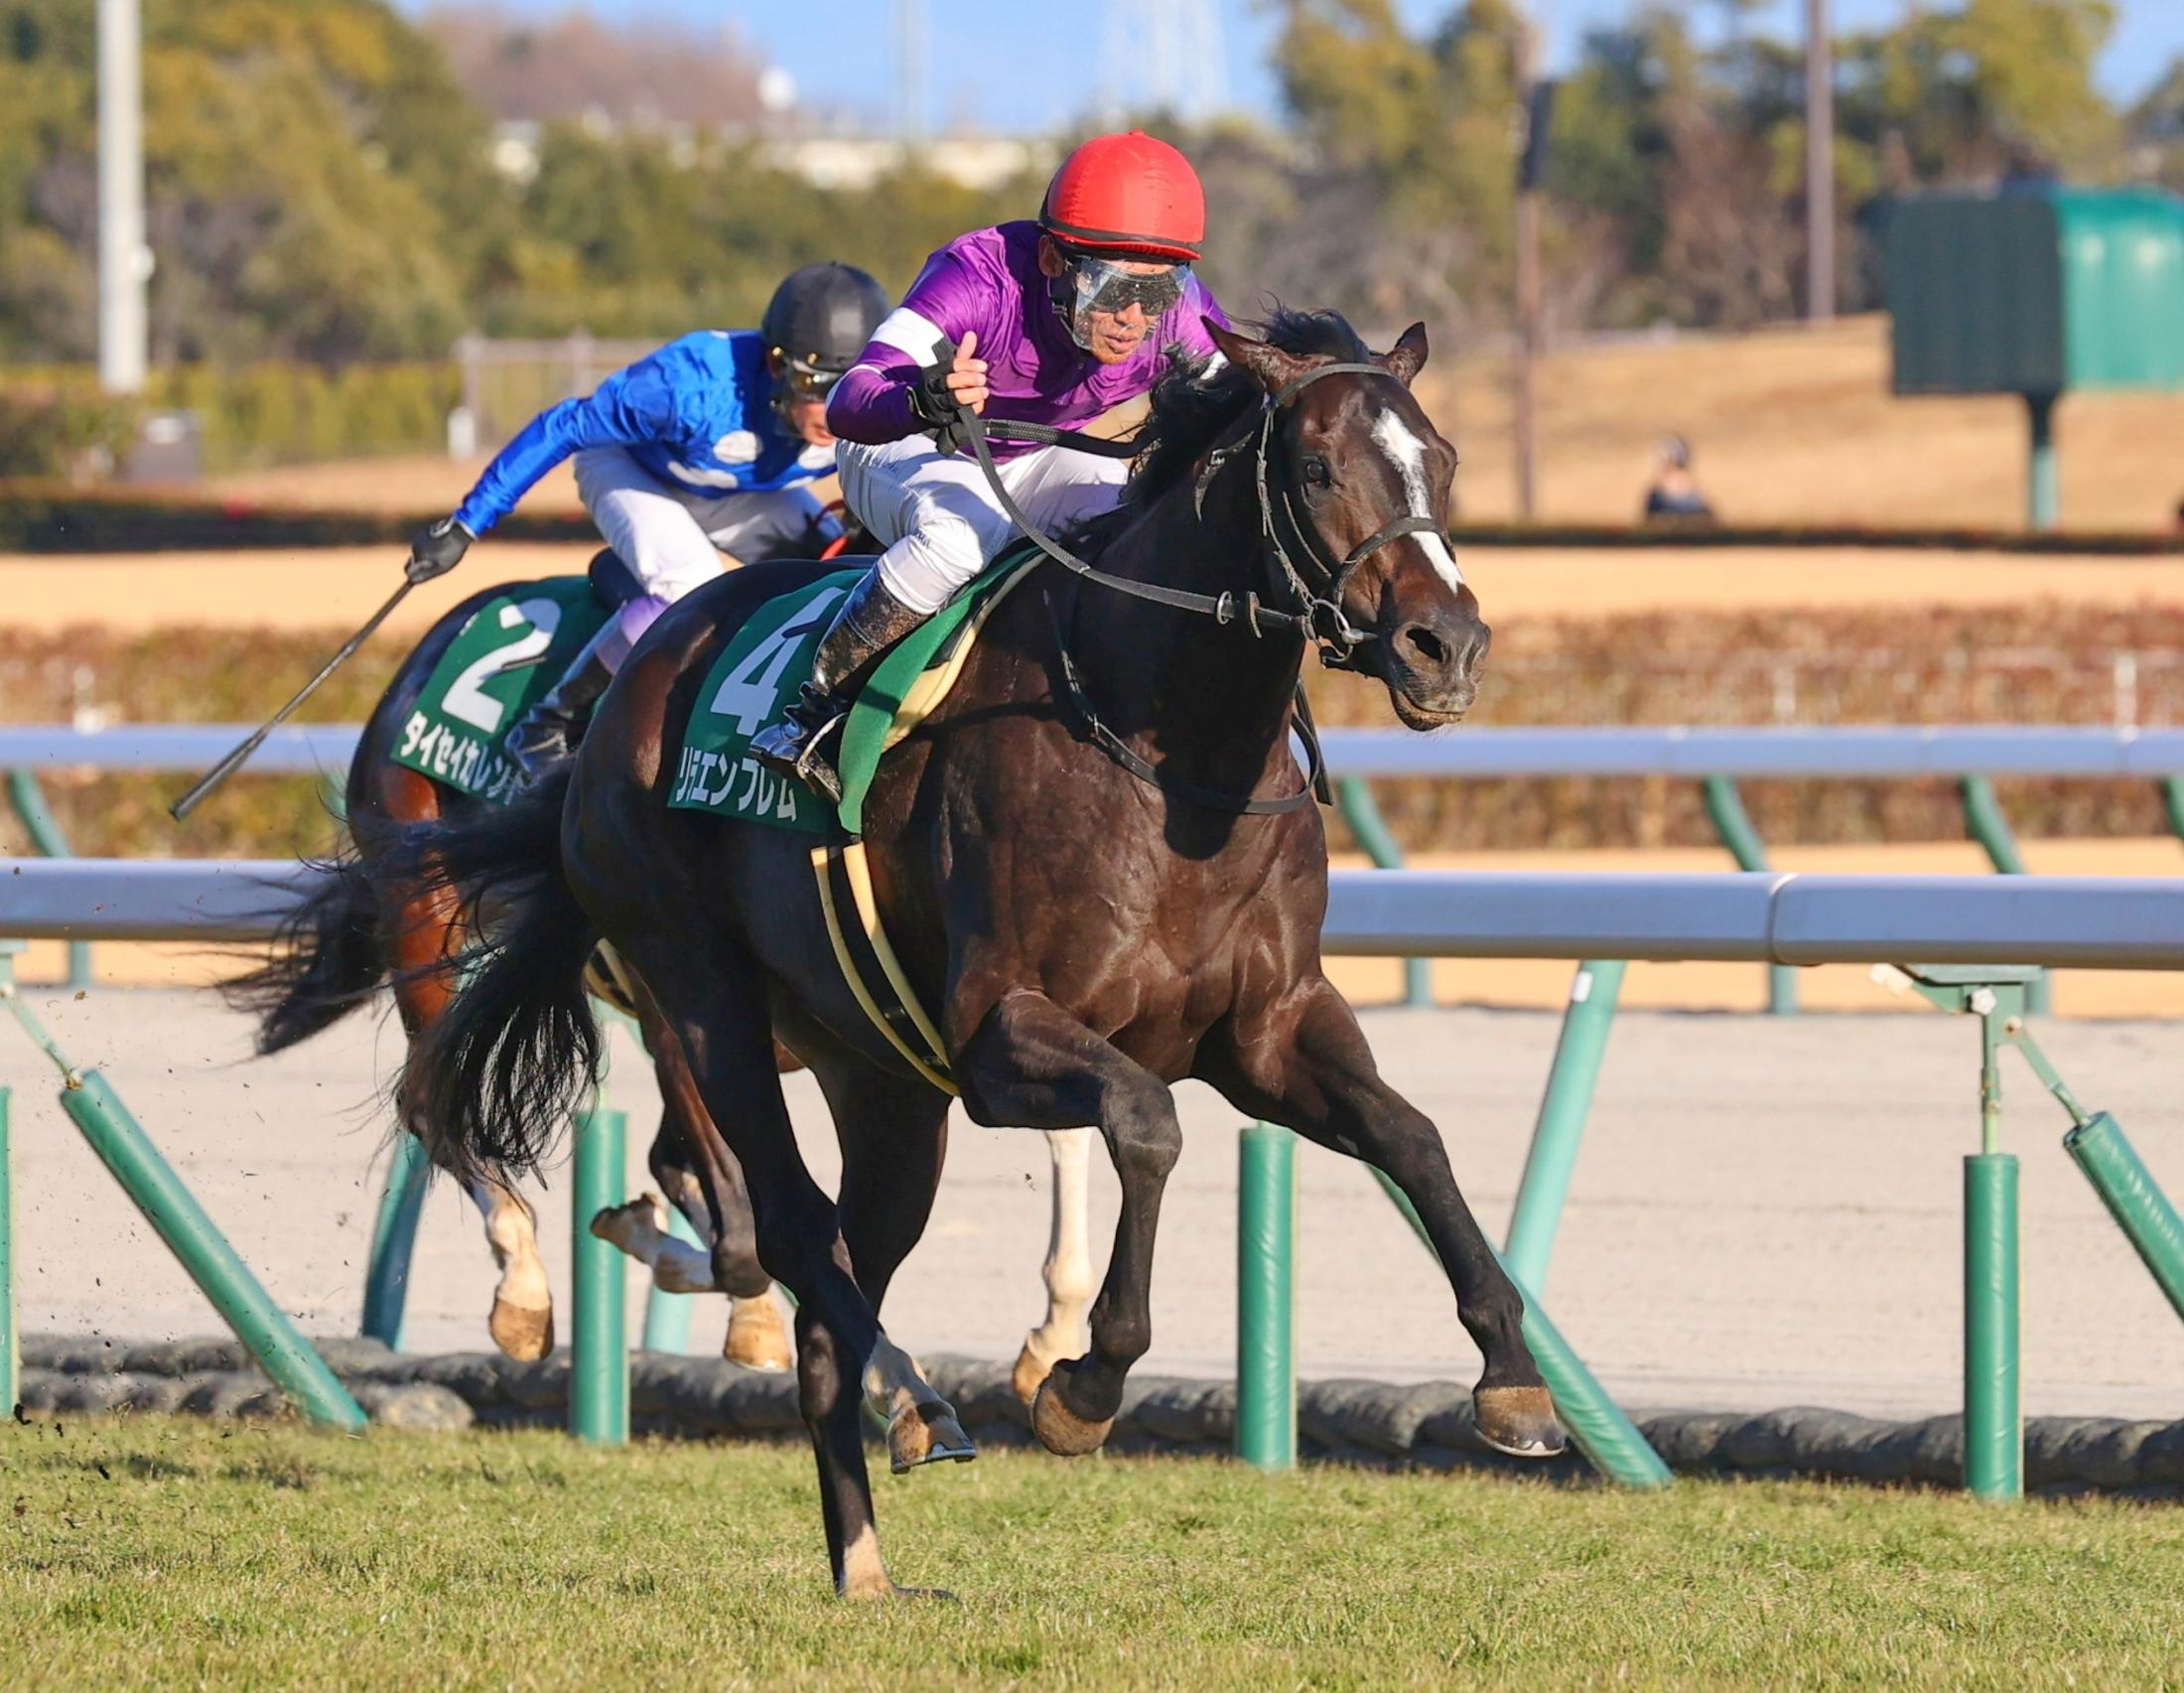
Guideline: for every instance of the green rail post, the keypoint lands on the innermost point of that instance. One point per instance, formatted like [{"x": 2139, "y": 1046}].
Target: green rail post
[
  {"x": 394, "y": 1240},
  {"x": 2133, "y": 1198},
  {"x": 43, "y": 829},
  {"x": 2172, "y": 802},
  {"x": 667, "y": 1315},
  {"x": 1993, "y": 1421},
  {"x": 1361, "y": 812},
  {"x": 11, "y": 1349},
  {"x": 599, "y": 1373},
  {"x": 1733, "y": 825},
  {"x": 172, "y": 1210},
  {"x": 1985, "y": 822},
  {"x": 1560, "y": 1127},
  {"x": 2043, "y": 487},
  {"x": 1597, "y": 1426},
  {"x": 1266, "y": 1298}
]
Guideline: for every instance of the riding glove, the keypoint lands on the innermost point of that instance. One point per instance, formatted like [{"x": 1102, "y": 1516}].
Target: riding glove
[
  {"x": 438, "y": 550},
  {"x": 934, "y": 403}
]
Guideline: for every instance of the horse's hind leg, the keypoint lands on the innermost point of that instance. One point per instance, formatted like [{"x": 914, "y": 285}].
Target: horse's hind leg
[
  {"x": 716, "y": 1005},
  {"x": 757, "y": 1330},
  {"x": 423, "y": 933},
  {"x": 1305, "y": 1063},
  {"x": 1067, "y": 1271},
  {"x": 893, "y": 1134},
  {"x": 1030, "y": 1063}
]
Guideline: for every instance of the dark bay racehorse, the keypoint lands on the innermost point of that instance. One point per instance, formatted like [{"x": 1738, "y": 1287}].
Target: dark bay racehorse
[
  {"x": 1088, "y": 934},
  {"x": 360, "y": 931}
]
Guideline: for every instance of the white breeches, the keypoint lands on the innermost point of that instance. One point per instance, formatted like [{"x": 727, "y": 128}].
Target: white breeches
[
  {"x": 939, "y": 520},
  {"x": 672, "y": 539}
]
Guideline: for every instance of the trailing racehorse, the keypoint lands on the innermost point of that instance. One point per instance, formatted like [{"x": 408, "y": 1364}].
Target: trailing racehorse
[
  {"x": 360, "y": 931},
  {"x": 1097, "y": 861}
]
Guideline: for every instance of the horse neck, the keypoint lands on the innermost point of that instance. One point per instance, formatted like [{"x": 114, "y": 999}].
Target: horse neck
[{"x": 1210, "y": 697}]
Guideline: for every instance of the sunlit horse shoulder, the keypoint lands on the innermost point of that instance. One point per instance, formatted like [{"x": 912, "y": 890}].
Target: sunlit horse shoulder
[{"x": 1090, "y": 932}]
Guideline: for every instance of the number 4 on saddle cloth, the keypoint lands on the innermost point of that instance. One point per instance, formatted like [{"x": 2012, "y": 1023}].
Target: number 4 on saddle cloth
[{"x": 760, "y": 671}]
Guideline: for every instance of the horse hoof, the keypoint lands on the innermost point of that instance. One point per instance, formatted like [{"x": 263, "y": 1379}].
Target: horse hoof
[
  {"x": 1519, "y": 1421},
  {"x": 1029, "y": 1375},
  {"x": 523, "y": 1334},
  {"x": 927, "y": 1434},
  {"x": 889, "y": 1593},
  {"x": 1061, "y": 1430},
  {"x": 617, "y": 1225},
  {"x": 757, "y": 1338}
]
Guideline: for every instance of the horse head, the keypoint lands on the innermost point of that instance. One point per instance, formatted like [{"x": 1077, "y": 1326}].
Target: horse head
[{"x": 1359, "y": 478}]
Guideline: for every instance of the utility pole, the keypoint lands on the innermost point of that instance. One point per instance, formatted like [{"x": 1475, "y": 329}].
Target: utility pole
[
  {"x": 1535, "y": 102},
  {"x": 1820, "y": 165},
  {"x": 124, "y": 262},
  {"x": 909, "y": 69}
]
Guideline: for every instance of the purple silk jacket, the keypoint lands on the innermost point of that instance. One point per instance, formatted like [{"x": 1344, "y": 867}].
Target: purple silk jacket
[{"x": 990, "y": 281}]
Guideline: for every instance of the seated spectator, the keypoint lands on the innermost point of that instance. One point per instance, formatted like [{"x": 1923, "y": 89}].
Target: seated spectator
[{"x": 1674, "y": 494}]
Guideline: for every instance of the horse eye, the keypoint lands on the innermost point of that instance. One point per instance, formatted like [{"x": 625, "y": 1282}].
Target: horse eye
[{"x": 1317, "y": 471}]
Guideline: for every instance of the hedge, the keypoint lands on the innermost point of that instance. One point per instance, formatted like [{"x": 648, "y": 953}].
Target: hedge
[
  {"x": 1937, "y": 665},
  {"x": 251, "y": 415}
]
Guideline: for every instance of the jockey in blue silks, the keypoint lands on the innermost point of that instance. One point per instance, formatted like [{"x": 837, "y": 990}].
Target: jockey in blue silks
[{"x": 707, "y": 446}]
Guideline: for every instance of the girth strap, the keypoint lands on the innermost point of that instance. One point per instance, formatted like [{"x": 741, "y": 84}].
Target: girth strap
[{"x": 1146, "y": 770}]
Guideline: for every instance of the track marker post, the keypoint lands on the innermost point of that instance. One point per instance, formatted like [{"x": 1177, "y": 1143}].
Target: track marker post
[
  {"x": 11, "y": 1346},
  {"x": 1733, "y": 826},
  {"x": 394, "y": 1240},
  {"x": 1561, "y": 1126},
  {"x": 599, "y": 1365},
  {"x": 191, "y": 1235},
  {"x": 1353, "y": 797},
  {"x": 1266, "y": 1298}
]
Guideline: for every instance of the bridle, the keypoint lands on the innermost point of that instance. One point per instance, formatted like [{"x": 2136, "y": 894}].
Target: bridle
[{"x": 1317, "y": 616}]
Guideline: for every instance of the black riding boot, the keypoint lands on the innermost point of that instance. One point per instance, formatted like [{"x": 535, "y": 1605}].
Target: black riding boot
[
  {"x": 870, "y": 621},
  {"x": 548, "y": 733}
]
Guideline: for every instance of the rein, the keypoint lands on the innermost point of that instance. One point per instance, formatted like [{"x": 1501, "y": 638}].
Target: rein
[{"x": 1321, "y": 618}]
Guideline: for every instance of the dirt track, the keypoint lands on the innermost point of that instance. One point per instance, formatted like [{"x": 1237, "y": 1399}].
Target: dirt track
[
  {"x": 341, "y": 586},
  {"x": 1766, "y": 1211}
]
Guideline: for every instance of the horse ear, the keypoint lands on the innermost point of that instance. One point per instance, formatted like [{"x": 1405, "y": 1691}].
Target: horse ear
[
  {"x": 1407, "y": 357},
  {"x": 1273, "y": 367}
]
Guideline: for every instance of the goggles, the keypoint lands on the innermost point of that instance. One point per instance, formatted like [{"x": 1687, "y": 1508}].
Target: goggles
[
  {"x": 803, "y": 379},
  {"x": 1102, "y": 285}
]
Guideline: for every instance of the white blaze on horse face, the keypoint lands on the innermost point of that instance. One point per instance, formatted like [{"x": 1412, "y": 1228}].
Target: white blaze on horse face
[{"x": 1409, "y": 454}]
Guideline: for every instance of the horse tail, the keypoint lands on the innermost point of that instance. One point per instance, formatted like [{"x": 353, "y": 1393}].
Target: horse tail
[
  {"x": 491, "y": 1080},
  {"x": 326, "y": 959}
]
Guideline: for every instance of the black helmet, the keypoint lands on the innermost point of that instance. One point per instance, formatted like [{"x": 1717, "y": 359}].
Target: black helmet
[{"x": 819, "y": 321}]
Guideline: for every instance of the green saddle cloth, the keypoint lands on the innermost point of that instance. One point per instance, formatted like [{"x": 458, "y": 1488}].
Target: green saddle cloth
[
  {"x": 758, "y": 672},
  {"x": 513, "y": 649}
]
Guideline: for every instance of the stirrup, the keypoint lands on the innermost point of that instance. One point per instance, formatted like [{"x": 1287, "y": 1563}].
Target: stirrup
[
  {"x": 541, "y": 740},
  {"x": 797, "y": 747}
]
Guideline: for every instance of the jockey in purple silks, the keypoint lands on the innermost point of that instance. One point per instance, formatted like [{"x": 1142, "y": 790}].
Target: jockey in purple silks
[{"x": 1049, "y": 321}]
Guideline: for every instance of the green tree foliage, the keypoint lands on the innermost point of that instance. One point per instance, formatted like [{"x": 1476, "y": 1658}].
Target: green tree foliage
[
  {"x": 1677, "y": 172},
  {"x": 321, "y": 185}
]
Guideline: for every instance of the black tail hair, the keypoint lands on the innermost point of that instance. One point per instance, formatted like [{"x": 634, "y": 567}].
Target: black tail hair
[
  {"x": 492, "y": 1079},
  {"x": 325, "y": 961}
]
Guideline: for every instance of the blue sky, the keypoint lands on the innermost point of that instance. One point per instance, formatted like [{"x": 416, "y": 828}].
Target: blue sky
[{"x": 1024, "y": 64}]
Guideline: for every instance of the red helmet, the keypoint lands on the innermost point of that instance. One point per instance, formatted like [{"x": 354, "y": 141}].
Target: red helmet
[{"x": 1130, "y": 194}]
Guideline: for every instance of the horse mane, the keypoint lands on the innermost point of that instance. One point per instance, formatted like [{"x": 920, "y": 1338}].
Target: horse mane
[{"x": 1197, "y": 401}]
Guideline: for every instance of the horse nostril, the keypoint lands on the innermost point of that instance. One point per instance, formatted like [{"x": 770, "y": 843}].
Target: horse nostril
[{"x": 1428, "y": 645}]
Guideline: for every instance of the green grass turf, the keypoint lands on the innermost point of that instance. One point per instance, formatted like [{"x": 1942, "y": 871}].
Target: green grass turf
[{"x": 178, "y": 1553}]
